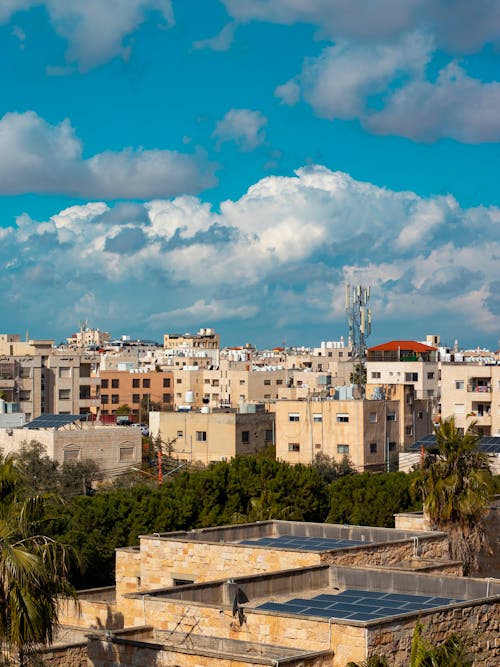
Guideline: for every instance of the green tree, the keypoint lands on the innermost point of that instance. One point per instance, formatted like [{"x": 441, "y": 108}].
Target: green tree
[
  {"x": 454, "y": 482},
  {"x": 33, "y": 566}
]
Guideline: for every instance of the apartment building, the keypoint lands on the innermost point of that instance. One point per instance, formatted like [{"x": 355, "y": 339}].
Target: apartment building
[
  {"x": 54, "y": 383},
  {"x": 470, "y": 392},
  {"x": 88, "y": 338},
  {"x": 369, "y": 432},
  {"x": 403, "y": 362},
  {"x": 207, "y": 436},
  {"x": 139, "y": 390}
]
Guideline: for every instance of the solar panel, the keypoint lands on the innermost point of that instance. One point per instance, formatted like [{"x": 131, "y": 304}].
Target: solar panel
[
  {"x": 303, "y": 543},
  {"x": 53, "y": 421}
]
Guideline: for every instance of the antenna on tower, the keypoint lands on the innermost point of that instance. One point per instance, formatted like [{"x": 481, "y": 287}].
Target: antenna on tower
[{"x": 359, "y": 317}]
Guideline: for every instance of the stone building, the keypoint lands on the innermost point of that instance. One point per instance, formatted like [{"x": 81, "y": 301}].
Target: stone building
[{"x": 280, "y": 592}]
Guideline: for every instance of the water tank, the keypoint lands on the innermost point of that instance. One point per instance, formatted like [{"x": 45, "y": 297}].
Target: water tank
[
  {"x": 205, "y": 410},
  {"x": 2, "y": 406},
  {"x": 189, "y": 397}
]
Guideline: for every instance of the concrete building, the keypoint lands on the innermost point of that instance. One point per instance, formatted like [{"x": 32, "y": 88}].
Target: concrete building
[
  {"x": 470, "y": 392},
  {"x": 55, "y": 383},
  {"x": 138, "y": 390},
  {"x": 88, "y": 338},
  {"x": 114, "y": 448},
  {"x": 279, "y": 592},
  {"x": 369, "y": 432},
  {"x": 403, "y": 362},
  {"x": 213, "y": 436}
]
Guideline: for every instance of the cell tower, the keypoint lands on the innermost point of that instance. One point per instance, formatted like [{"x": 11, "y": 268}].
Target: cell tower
[{"x": 360, "y": 327}]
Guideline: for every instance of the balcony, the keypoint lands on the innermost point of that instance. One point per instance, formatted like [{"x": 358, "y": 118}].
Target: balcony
[{"x": 478, "y": 388}]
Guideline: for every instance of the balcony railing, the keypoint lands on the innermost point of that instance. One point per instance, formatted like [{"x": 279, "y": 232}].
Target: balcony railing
[{"x": 484, "y": 389}]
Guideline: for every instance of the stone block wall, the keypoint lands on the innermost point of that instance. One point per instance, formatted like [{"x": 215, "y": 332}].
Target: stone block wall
[
  {"x": 162, "y": 560},
  {"x": 480, "y": 623},
  {"x": 90, "y": 614},
  {"x": 62, "y": 656},
  {"x": 390, "y": 553}
]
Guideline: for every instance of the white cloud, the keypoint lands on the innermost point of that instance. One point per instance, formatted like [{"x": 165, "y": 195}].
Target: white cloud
[
  {"x": 463, "y": 27},
  {"x": 455, "y": 106},
  {"x": 94, "y": 29},
  {"x": 244, "y": 126},
  {"x": 279, "y": 255},
  {"x": 47, "y": 159},
  {"x": 220, "y": 42}
]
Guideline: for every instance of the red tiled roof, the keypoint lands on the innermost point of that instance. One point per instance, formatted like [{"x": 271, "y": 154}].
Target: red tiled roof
[{"x": 412, "y": 345}]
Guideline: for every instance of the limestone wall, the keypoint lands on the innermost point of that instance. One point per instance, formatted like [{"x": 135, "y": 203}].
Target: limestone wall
[
  {"x": 163, "y": 560},
  {"x": 480, "y": 623},
  {"x": 391, "y": 553},
  {"x": 90, "y": 614},
  {"x": 62, "y": 656}
]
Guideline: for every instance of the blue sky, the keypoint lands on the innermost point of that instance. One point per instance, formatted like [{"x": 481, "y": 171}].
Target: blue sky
[{"x": 232, "y": 163}]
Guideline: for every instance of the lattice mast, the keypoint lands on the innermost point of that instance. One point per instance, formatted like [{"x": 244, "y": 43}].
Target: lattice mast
[{"x": 360, "y": 327}]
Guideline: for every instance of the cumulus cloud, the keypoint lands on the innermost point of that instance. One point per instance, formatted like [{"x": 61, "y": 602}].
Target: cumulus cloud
[
  {"x": 95, "y": 30},
  {"x": 385, "y": 87},
  {"x": 38, "y": 157},
  {"x": 220, "y": 42},
  {"x": 243, "y": 126},
  {"x": 465, "y": 27},
  {"x": 278, "y": 255}
]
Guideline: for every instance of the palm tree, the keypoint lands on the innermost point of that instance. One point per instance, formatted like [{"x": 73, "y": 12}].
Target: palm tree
[
  {"x": 33, "y": 567},
  {"x": 454, "y": 482}
]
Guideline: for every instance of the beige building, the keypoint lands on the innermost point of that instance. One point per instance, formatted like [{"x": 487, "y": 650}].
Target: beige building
[
  {"x": 403, "y": 362},
  {"x": 114, "y": 448},
  {"x": 205, "y": 339},
  {"x": 278, "y": 592},
  {"x": 369, "y": 432},
  {"x": 212, "y": 436},
  {"x": 470, "y": 392},
  {"x": 85, "y": 338},
  {"x": 55, "y": 383}
]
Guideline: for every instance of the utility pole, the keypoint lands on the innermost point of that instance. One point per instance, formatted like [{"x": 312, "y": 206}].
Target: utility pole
[{"x": 360, "y": 327}]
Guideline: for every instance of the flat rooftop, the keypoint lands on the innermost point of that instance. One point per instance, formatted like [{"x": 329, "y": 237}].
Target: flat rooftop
[
  {"x": 293, "y": 535},
  {"x": 349, "y": 595}
]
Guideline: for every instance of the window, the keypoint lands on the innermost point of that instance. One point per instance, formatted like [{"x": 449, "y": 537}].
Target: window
[
  {"x": 64, "y": 394},
  {"x": 136, "y": 398},
  {"x": 115, "y": 384},
  {"x": 201, "y": 436},
  {"x": 25, "y": 395},
  {"x": 245, "y": 436},
  {"x": 269, "y": 434},
  {"x": 279, "y": 382},
  {"x": 459, "y": 384},
  {"x": 136, "y": 383},
  {"x": 342, "y": 417},
  {"x": 72, "y": 454},
  {"x": 115, "y": 398},
  {"x": 411, "y": 377},
  {"x": 267, "y": 382},
  {"x": 267, "y": 396},
  {"x": 126, "y": 453},
  {"x": 167, "y": 398},
  {"x": 430, "y": 376},
  {"x": 420, "y": 415},
  {"x": 293, "y": 417},
  {"x": 392, "y": 446},
  {"x": 317, "y": 418},
  {"x": 104, "y": 398},
  {"x": 206, "y": 381},
  {"x": 342, "y": 449},
  {"x": 317, "y": 445},
  {"x": 373, "y": 447},
  {"x": 65, "y": 372},
  {"x": 341, "y": 354},
  {"x": 372, "y": 416},
  {"x": 391, "y": 416},
  {"x": 409, "y": 430},
  {"x": 104, "y": 384},
  {"x": 293, "y": 447},
  {"x": 166, "y": 382},
  {"x": 146, "y": 383},
  {"x": 180, "y": 434},
  {"x": 242, "y": 382},
  {"x": 459, "y": 408},
  {"x": 376, "y": 375},
  {"x": 179, "y": 380}
]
